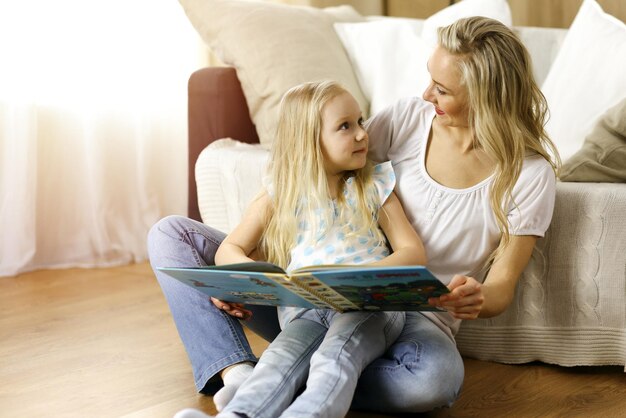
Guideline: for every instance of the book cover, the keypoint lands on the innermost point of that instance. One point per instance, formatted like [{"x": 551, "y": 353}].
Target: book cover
[{"x": 339, "y": 287}]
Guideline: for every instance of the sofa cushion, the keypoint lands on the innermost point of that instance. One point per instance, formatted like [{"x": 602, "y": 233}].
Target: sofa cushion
[
  {"x": 389, "y": 55},
  {"x": 495, "y": 9},
  {"x": 389, "y": 59},
  {"x": 273, "y": 48},
  {"x": 544, "y": 45},
  {"x": 587, "y": 77},
  {"x": 603, "y": 155}
]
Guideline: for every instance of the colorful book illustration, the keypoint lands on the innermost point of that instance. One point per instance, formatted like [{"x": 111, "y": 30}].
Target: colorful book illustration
[{"x": 339, "y": 287}]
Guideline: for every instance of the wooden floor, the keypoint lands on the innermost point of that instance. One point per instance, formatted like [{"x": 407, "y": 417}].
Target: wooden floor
[{"x": 101, "y": 343}]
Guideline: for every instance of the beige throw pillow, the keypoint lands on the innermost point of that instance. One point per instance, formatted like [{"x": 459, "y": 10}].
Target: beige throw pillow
[
  {"x": 602, "y": 158},
  {"x": 273, "y": 48}
]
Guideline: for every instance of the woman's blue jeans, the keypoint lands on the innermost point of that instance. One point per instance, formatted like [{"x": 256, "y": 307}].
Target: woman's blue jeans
[{"x": 421, "y": 371}]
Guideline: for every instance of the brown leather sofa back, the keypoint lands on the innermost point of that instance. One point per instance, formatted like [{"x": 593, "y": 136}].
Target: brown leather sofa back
[{"x": 217, "y": 109}]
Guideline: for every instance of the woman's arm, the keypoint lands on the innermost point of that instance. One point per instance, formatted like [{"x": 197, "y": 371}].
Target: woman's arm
[
  {"x": 244, "y": 239},
  {"x": 407, "y": 246},
  {"x": 469, "y": 299}
]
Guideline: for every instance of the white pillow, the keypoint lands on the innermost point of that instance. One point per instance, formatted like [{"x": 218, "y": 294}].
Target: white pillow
[
  {"x": 495, "y": 9},
  {"x": 588, "y": 76},
  {"x": 388, "y": 58}
]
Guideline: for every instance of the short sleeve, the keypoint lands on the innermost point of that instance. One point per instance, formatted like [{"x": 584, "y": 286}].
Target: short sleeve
[
  {"x": 395, "y": 131},
  {"x": 534, "y": 195},
  {"x": 385, "y": 180},
  {"x": 266, "y": 182},
  {"x": 380, "y": 131}
]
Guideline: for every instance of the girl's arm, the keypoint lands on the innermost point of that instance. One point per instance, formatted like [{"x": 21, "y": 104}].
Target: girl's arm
[
  {"x": 243, "y": 240},
  {"x": 407, "y": 246},
  {"x": 239, "y": 246},
  {"x": 469, "y": 299}
]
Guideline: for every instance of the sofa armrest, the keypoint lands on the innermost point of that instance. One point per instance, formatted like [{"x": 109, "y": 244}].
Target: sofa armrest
[{"x": 217, "y": 109}]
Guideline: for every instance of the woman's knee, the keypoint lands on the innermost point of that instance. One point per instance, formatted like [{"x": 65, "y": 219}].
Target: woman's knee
[
  {"x": 168, "y": 228},
  {"x": 427, "y": 388},
  {"x": 163, "y": 230},
  {"x": 411, "y": 378},
  {"x": 174, "y": 231}
]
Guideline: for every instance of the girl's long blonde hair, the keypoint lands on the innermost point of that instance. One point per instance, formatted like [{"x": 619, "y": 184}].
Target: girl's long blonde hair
[
  {"x": 507, "y": 110},
  {"x": 299, "y": 184}
]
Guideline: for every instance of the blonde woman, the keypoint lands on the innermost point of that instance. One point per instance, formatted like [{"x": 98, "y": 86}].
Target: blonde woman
[{"x": 476, "y": 176}]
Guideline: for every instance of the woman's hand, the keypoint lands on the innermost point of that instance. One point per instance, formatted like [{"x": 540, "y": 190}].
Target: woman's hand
[
  {"x": 234, "y": 309},
  {"x": 465, "y": 300}
]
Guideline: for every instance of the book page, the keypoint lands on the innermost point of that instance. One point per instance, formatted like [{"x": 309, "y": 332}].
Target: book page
[
  {"x": 306, "y": 292},
  {"x": 247, "y": 287},
  {"x": 323, "y": 292},
  {"x": 308, "y": 269},
  {"x": 398, "y": 288},
  {"x": 260, "y": 266}
]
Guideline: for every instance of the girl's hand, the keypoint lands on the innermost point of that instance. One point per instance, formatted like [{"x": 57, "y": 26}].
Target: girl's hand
[
  {"x": 465, "y": 300},
  {"x": 234, "y": 309}
]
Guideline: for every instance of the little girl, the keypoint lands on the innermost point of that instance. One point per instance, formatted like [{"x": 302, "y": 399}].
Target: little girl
[{"x": 325, "y": 203}]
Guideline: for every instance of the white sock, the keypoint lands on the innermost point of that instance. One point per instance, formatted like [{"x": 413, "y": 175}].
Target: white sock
[
  {"x": 194, "y": 413},
  {"x": 232, "y": 380},
  {"x": 191, "y": 413}
]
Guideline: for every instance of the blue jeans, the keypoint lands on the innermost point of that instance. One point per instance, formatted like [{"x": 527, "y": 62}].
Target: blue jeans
[
  {"x": 332, "y": 348},
  {"x": 421, "y": 371}
]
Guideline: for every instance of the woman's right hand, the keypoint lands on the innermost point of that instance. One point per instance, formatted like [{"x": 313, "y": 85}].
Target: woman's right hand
[{"x": 234, "y": 309}]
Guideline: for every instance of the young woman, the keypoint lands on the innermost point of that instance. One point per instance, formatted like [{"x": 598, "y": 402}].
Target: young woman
[{"x": 476, "y": 176}]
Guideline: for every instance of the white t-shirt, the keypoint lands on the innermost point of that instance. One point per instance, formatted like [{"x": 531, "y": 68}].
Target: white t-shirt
[{"x": 457, "y": 226}]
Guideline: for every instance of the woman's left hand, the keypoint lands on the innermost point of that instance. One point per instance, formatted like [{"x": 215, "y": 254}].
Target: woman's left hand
[{"x": 465, "y": 300}]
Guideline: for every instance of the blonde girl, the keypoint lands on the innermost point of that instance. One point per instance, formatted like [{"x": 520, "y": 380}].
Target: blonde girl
[{"x": 324, "y": 203}]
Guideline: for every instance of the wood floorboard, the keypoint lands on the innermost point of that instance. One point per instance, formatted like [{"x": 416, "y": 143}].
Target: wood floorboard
[{"x": 102, "y": 343}]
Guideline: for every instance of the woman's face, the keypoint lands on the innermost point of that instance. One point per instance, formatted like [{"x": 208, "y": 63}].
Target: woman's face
[{"x": 446, "y": 91}]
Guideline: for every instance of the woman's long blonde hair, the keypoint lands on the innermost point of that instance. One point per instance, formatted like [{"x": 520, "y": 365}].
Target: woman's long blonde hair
[
  {"x": 299, "y": 184},
  {"x": 507, "y": 110}
]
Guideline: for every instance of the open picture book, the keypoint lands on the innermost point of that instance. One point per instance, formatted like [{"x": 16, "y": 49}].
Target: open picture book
[{"x": 339, "y": 287}]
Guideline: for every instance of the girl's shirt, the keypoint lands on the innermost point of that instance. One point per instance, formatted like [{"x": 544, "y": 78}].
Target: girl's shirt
[
  {"x": 457, "y": 226},
  {"x": 335, "y": 246}
]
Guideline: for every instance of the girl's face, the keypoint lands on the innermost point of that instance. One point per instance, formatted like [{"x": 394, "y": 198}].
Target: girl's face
[
  {"x": 343, "y": 140},
  {"x": 445, "y": 90}
]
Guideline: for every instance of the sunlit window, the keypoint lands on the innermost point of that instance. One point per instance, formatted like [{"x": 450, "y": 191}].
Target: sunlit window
[{"x": 72, "y": 52}]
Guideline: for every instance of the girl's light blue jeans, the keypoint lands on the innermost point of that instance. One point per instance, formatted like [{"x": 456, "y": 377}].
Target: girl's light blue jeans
[
  {"x": 421, "y": 371},
  {"x": 332, "y": 348}
]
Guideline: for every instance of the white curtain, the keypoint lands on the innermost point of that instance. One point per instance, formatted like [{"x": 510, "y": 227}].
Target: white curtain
[{"x": 93, "y": 134}]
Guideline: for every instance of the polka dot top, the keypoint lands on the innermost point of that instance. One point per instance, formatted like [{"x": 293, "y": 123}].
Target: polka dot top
[{"x": 334, "y": 246}]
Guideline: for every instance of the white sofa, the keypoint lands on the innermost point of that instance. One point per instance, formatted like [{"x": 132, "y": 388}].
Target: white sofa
[{"x": 570, "y": 304}]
